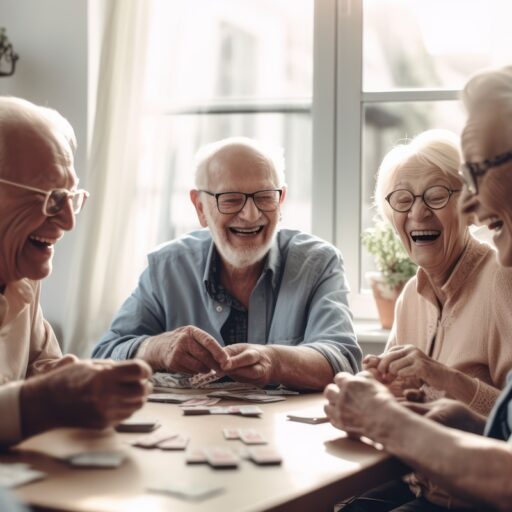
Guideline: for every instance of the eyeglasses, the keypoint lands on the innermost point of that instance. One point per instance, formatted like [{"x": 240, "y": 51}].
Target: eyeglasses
[
  {"x": 471, "y": 170},
  {"x": 55, "y": 198},
  {"x": 435, "y": 198},
  {"x": 234, "y": 202}
]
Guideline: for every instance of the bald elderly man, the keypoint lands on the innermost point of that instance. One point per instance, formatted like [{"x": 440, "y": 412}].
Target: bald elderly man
[
  {"x": 39, "y": 198},
  {"x": 260, "y": 304}
]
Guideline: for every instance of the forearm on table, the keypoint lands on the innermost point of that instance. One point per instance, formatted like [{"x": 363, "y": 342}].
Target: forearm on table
[
  {"x": 300, "y": 367},
  {"x": 470, "y": 466}
]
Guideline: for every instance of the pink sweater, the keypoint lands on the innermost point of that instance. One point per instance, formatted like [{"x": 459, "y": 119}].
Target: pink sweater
[{"x": 472, "y": 332}]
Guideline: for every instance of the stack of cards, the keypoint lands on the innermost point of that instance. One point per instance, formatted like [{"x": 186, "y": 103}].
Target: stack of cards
[
  {"x": 219, "y": 457},
  {"x": 138, "y": 424},
  {"x": 260, "y": 397}
]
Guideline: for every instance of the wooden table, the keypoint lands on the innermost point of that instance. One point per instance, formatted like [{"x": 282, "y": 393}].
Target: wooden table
[{"x": 320, "y": 465}]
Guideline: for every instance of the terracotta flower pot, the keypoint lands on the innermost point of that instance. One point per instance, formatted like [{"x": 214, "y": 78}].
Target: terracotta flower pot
[{"x": 385, "y": 297}]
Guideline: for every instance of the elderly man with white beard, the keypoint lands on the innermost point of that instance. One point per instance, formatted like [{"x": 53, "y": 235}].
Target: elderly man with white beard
[{"x": 256, "y": 303}]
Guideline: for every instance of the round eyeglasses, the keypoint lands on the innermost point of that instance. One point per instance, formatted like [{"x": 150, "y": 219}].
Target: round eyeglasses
[
  {"x": 435, "y": 198},
  {"x": 55, "y": 199},
  {"x": 234, "y": 202}
]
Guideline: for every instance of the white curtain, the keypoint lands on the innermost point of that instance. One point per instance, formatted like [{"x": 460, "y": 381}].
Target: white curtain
[{"x": 106, "y": 239}]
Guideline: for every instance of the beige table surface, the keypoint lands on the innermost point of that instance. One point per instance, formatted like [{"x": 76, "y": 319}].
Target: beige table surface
[{"x": 320, "y": 465}]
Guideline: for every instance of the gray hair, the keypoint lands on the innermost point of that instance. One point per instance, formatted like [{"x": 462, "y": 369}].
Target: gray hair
[
  {"x": 273, "y": 156},
  {"x": 439, "y": 149},
  {"x": 488, "y": 100},
  {"x": 17, "y": 112}
]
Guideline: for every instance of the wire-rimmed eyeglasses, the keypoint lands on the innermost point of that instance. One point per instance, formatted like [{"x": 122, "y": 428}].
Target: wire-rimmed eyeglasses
[
  {"x": 55, "y": 198},
  {"x": 234, "y": 202},
  {"x": 436, "y": 197},
  {"x": 470, "y": 171}
]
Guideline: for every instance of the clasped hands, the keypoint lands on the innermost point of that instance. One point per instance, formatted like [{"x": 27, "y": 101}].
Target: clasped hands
[{"x": 191, "y": 350}]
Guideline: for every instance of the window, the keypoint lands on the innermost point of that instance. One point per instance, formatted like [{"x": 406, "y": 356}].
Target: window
[{"x": 336, "y": 83}]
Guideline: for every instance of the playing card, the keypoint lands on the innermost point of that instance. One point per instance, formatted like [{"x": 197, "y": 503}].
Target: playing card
[
  {"x": 154, "y": 439},
  {"x": 250, "y": 410},
  {"x": 220, "y": 457},
  {"x": 231, "y": 433},
  {"x": 201, "y": 379},
  {"x": 251, "y": 436},
  {"x": 312, "y": 416},
  {"x": 176, "y": 443},
  {"x": 16, "y": 474},
  {"x": 264, "y": 455},
  {"x": 97, "y": 459},
  {"x": 170, "y": 398},
  {"x": 193, "y": 491},
  {"x": 194, "y": 402},
  {"x": 195, "y": 456},
  {"x": 219, "y": 410}
]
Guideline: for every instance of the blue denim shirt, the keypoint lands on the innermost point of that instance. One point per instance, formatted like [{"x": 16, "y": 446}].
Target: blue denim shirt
[{"x": 299, "y": 299}]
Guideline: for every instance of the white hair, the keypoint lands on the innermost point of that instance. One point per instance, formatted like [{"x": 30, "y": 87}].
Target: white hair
[
  {"x": 488, "y": 100},
  {"x": 18, "y": 113},
  {"x": 273, "y": 156},
  {"x": 432, "y": 149}
]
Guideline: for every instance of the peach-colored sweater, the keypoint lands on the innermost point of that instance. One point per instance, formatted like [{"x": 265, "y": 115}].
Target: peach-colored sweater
[{"x": 472, "y": 332}]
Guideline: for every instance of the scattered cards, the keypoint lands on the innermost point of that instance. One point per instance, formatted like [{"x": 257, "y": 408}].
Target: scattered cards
[
  {"x": 106, "y": 460},
  {"x": 153, "y": 440},
  {"x": 176, "y": 443}
]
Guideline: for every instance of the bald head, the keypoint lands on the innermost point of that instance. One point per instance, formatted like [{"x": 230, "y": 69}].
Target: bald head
[{"x": 239, "y": 153}]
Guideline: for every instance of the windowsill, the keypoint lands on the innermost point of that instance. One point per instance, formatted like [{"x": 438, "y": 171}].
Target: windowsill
[{"x": 370, "y": 331}]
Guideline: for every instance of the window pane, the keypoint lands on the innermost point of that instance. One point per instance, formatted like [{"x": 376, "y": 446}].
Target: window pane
[
  {"x": 432, "y": 43},
  {"x": 203, "y": 50},
  {"x": 171, "y": 143},
  {"x": 388, "y": 124}
]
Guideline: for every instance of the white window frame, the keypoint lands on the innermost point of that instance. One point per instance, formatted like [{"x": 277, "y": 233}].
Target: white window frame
[{"x": 338, "y": 101}]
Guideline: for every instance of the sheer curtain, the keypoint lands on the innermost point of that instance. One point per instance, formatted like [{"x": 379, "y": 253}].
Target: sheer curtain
[{"x": 104, "y": 253}]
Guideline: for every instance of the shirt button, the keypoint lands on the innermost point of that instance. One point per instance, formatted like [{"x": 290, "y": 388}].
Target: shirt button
[{"x": 219, "y": 309}]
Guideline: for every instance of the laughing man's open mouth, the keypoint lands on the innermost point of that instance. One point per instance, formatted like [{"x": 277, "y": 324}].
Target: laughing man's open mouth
[
  {"x": 247, "y": 231},
  {"x": 425, "y": 235}
]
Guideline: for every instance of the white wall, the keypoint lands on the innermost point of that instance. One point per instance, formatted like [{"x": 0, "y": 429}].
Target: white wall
[{"x": 50, "y": 36}]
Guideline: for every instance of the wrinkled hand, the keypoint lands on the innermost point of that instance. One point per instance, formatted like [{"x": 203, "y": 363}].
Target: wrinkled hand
[
  {"x": 356, "y": 402},
  {"x": 450, "y": 413},
  {"x": 84, "y": 394},
  {"x": 407, "y": 363},
  {"x": 186, "y": 349},
  {"x": 47, "y": 365},
  {"x": 250, "y": 363}
]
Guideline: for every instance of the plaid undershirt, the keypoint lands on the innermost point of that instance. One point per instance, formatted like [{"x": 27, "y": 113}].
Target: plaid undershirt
[{"x": 235, "y": 327}]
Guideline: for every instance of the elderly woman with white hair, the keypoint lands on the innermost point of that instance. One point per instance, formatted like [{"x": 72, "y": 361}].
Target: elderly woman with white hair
[
  {"x": 472, "y": 459},
  {"x": 448, "y": 337}
]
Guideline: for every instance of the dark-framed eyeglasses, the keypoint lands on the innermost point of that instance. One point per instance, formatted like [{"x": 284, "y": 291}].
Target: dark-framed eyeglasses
[
  {"x": 436, "y": 197},
  {"x": 234, "y": 202},
  {"x": 470, "y": 171},
  {"x": 55, "y": 199}
]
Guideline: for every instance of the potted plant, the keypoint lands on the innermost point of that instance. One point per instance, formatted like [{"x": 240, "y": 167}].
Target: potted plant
[{"x": 394, "y": 267}]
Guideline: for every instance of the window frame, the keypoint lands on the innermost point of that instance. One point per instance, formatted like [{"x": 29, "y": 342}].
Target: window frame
[{"x": 338, "y": 110}]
